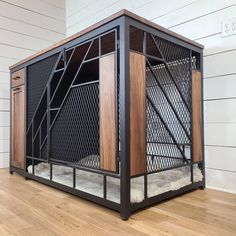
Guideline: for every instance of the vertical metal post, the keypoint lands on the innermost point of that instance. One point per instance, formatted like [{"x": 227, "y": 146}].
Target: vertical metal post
[
  {"x": 125, "y": 205},
  {"x": 202, "y": 99},
  {"x": 74, "y": 178},
  {"x": 191, "y": 116}
]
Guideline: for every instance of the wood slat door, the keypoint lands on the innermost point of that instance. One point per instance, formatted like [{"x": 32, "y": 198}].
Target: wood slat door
[
  {"x": 138, "y": 130},
  {"x": 18, "y": 130},
  {"x": 108, "y": 112},
  {"x": 197, "y": 115}
]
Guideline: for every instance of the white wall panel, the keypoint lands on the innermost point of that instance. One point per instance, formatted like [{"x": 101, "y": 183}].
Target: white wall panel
[
  {"x": 4, "y": 78},
  {"x": 220, "y": 111},
  {"x": 14, "y": 52},
  {"x": 4, "y": 90},
  {"x": 222, "y": 180},
  {"x": 222, "y": 158},
  {"x": 5, "y": 62},
  {"x": 4, "y": 146},
  {"x": 4, "y": 104},
  {"x": 5, "y": 133},
  {"x": 23, "y": 41},
  {"x": 205, "y": 25},
  {"x": 26, "y": 27},
  {"x": 4, "y": 118},
  {"x": 27, "y": 16},
  {"x": 4, "y": 159},
  {"x": 220, "y": 134},
  {"x": 43, "y": 8},
  {"x": 219, "y": 64},
  {"x": 216, "y": 44},
  {"x": 220, "y": 87},
  {"x": 195, "y": 10},
  {"x": 30, "y": 30}
]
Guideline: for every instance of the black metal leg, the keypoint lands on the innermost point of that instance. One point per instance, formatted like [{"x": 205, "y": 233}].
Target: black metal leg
[{"x": 125, "y": 208}]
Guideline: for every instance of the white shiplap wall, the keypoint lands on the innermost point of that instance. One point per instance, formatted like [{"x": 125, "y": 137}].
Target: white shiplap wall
[
  {"x": 26, "y": 26},
  {"x": 201, "y": 21}
]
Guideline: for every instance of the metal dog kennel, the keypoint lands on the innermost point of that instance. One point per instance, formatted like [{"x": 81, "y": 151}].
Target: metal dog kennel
[{"x": 120, "y": 102}]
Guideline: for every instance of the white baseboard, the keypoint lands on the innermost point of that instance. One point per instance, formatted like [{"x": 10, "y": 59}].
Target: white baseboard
[{"x": 221, "y": 189}]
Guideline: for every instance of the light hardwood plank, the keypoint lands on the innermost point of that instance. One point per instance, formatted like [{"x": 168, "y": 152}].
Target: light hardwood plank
[{"x": 30, "y": 208}]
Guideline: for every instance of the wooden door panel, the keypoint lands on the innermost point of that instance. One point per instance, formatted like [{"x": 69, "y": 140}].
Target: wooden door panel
[
  {"x": 108, "y": 112},
  {"x": 197, "y": 115},
  {"x": 18, "y": 130},
  {"x": 138, "y": 137}
]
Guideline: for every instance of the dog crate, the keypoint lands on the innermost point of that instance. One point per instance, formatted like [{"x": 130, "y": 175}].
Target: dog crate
[{"x": 113, "y": 114}]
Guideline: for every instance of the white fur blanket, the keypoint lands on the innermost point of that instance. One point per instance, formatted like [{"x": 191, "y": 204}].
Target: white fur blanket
[{"x": 92, "y": 183}]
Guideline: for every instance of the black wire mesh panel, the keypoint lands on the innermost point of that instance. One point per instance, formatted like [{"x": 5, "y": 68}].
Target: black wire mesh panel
[
  {"x": 37, "y": 77},
  {"x": 75, "y": 134},
  {"x": 178, "y": 61},
  {"x": 162, "y": 151},
  {"x": 167, "y": 100}
]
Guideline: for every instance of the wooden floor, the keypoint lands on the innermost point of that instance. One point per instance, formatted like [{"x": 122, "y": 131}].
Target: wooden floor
[{"x": 30, "y": 208}]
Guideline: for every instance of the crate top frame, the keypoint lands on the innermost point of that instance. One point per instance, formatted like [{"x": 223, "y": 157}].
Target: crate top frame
[{"x": 97, "y": 25}]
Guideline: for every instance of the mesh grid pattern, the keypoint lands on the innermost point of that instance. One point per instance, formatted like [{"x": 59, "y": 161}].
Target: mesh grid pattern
[
  {"x": 168, "y": 87},
  {"x": 155, "y": 163},
  {"x": 37, "y": 78},
  {"x": 177, "y": 59},
  {"x": 75, "y": 135}
]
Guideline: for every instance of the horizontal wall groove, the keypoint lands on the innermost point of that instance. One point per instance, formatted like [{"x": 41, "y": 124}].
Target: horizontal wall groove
[
  {"x": 25, "y": 22},
  {"x": 28, "y": 35},
  {"x": 5, "y": 98},
  {"x": 9, "y": 45},
  {"x": 223, "y": 146},
  {"x": 5, "y": 110},
  {"x": 69, "y": 26},
  {"x": 207, "y": 36},
  {"x": 217, "y": 53},
  {"x": 12, "y": 58},
  {"x": 2, "y": 71},
  {"x": 175, "y": 10},
  {"x": 77, "y": 11},
  {"x": 204, "y": 15},
  {"x": 36, "y": 12},
  {"x": 212, "y": 168},
  {"x": 219, "y": 99},
  {"x": 54, "y": 5},
  {"x": 217, "y": 76}
]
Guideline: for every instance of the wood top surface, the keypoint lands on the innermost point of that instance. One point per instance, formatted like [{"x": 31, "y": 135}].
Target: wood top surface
[{"x": 102, "y": 22}]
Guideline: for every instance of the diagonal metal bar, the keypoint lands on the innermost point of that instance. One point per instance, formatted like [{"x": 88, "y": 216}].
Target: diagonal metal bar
[
  {"x": 51, "y": 75},
  {"x": 167, "y": 128},
  {"x": 170, "y": 73},
  {"x": 168, "y": 100},
  {"x": 71, "y": 84}
]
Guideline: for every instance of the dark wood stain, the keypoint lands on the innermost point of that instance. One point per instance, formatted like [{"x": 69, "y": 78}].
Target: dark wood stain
[
  {"x": 108, "y": 111},
  {"x": 197, "y": 115},
  {"x": 137, "y": 114}
]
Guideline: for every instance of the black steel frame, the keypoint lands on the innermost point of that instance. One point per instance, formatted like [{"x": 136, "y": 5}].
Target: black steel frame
[{"x": 122, "y": 25}]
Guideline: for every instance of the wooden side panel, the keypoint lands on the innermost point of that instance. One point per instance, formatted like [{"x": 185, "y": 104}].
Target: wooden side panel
[
  {"x": 197, "y": 115},
  {"x": 18, "y": 130},
  {"x": 138, "y": 139},
  {"x": 107, "y": 118}
]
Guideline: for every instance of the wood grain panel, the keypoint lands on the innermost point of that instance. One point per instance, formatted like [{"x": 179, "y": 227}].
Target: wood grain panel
[
  {"x": 107, "y": 118},
  {"x": 197, "y": 115},
  {"x": 18, "y": 128},
  {"x": 138, "y": 139},
  {"x": 17, "y": 78}
]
